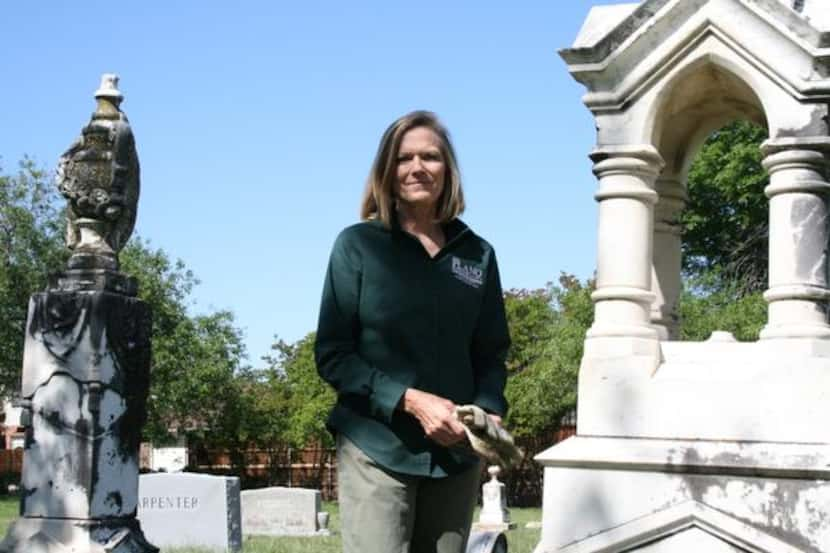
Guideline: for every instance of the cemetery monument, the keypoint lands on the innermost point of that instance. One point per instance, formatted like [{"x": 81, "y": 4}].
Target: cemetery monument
[
  {"x": 716, "y": 445},
  {"x": 86, "y": 360}
]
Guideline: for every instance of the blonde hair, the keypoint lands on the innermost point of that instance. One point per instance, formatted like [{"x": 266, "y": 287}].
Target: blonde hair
[{"x": 378, "y": 198}]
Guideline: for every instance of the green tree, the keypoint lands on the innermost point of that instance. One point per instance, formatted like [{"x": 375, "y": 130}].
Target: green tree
[
  {"x": 723, "y": 307},
  {"x": 195, "y": 358},
  {"x": 309, "y": 398},
  {"x": 531, "y": 318},
  {"x": 31, "y": 247},
  {"x": 548, "y": 331},
  {"x": 725, "y": 224},
  {"x": 548, "y": 328}
]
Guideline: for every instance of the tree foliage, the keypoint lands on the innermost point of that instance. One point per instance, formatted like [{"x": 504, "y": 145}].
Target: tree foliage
[
  {"x": 725, "y": 224},
  {"x": 195, "y": 357},
  {"x": 548, "y": 330},
  {"x": 293, "y": 373},
  {"x": 705, "y": 308},
  {"x": 31, "y": 247}
]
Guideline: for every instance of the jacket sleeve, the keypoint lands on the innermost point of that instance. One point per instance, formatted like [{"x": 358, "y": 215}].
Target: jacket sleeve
[
  {"x": 338, "y": 334},
  {"x": 490, "y": 344}
]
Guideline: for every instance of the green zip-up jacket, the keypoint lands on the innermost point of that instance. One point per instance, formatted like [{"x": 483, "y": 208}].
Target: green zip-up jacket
[{"x": 392, "y": 318}]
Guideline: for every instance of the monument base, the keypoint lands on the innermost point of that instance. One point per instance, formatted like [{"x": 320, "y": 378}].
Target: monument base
[
  {"x": 632, "y": 494},
  {"x": 51, "y": 535}
]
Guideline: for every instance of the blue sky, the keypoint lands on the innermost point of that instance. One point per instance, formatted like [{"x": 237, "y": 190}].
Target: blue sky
[{"x": 256, "y": 123}]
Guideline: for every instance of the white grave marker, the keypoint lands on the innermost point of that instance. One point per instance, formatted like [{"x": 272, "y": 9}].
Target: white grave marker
[
  {"x": 281, "y": 511},
  {"x": 190, "y": 510},
  {"x": 494, "y": 515}
]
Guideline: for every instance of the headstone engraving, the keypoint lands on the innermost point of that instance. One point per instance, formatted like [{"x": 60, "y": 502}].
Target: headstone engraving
[
  {"x": 86, "y": 360},
  {"x": 281, "y": 511},
  {"x": 191, "y": 510}
]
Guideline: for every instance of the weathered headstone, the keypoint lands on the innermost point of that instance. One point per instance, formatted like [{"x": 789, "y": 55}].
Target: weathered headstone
[
  {"x": 185, "y": 509},
  {"x": 169, "y": 458},
  {"x": 494, "y": 515},
  {"x": 280, "y": 511},
  {"x": 86, "y": 360}
]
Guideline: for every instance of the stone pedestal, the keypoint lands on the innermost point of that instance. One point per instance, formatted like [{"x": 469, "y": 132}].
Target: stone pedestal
[
  {"x": 85, "y": 381},
  {"x": 685, "y": 496}
]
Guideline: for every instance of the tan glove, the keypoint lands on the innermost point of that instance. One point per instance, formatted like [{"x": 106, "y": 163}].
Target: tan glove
[{"x": 488, "y": 438}]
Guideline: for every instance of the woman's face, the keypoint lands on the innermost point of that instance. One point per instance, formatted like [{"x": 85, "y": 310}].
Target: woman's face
[{"x": 421, "y": 168}]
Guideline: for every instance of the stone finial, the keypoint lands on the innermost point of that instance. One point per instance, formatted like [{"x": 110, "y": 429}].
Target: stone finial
[
  {"x": 109, "y": 89},
  {"x": 99, "y": 177}
]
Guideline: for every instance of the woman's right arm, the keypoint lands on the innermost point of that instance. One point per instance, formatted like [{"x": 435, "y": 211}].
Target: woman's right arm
[{"x": 338, "y": 334}]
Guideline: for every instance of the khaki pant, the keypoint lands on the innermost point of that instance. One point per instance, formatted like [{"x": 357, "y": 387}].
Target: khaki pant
[{"x": 387, "y": 512}]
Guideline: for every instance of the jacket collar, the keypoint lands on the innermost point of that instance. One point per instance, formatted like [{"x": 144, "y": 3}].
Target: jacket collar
[{"x": 454, "y": 231}]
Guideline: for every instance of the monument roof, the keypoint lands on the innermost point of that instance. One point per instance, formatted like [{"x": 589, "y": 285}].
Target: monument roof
[
  {"x": 601, "y": 21},
  {"x": 624, "y": 49},
  {"x": 608, "y": 27}
]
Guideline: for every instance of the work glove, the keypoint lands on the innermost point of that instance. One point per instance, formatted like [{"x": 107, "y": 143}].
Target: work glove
[{"x": 488, "y": 438}]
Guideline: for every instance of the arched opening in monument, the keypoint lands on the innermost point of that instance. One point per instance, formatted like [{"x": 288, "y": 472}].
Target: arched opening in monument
[{"x": 707, "y": 126}]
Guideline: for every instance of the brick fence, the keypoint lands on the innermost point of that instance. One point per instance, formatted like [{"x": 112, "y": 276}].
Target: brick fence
[
  {"x": 11, "y": 461},
  {"x": 310, "y": 467},
  {"x": 315, "y": 467}
]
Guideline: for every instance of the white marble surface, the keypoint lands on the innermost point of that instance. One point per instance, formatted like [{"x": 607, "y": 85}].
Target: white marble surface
[
  {"x": 736, "y": 432},
  {"x": 607, "y": 507}
]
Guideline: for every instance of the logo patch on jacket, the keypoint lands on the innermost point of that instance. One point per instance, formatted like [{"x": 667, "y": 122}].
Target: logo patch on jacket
[{"x": 467, "y": 273}]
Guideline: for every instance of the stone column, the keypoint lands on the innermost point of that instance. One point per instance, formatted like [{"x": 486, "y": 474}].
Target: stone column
[
  {"x": 665, "y": 278},
  {"x": 626, "y": 199},
  {"x": 798, "y": 238}
]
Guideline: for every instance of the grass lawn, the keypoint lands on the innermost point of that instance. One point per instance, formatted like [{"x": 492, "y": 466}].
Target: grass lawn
[
  {"x": 520, "y": 540},
  {"x": 9, "y": 509}
]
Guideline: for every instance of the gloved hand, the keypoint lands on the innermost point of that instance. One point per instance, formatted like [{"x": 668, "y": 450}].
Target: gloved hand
[{"x": 488, "y": 438}]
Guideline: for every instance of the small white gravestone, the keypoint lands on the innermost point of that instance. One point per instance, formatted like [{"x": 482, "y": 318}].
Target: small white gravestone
[
  {"x": 190, "y": 510},
  {"x": 278, "y": 511},
  {"x": 170, "y": 458},
  {"x": 494, "y": 515}
]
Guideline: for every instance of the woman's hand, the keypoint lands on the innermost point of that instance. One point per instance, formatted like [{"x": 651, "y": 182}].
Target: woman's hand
[{"x": 436, "y": 415}]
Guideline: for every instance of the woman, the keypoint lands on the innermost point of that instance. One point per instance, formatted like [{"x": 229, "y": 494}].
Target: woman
[{"x": 411, "y": 325}]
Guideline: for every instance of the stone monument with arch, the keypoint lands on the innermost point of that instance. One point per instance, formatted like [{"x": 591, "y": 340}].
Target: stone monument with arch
[{"x": 714, "y": 446}]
